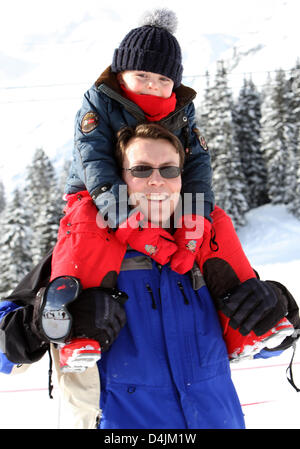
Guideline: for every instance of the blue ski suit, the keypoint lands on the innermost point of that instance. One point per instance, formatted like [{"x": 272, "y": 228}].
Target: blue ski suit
[{"x": 169, "y": 366}]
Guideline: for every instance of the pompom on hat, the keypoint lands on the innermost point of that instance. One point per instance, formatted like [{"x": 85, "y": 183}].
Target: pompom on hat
[{"x": 151, "y": 47}]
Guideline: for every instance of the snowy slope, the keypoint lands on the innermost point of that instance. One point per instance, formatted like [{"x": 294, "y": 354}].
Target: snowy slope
[{"x": 272, "y": 242}]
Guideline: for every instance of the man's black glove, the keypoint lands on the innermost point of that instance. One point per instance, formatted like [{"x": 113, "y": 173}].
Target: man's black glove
[
  {"x": 98, "y": 313},
  {"x": 19, "y": 338},
  {"x": 253, "y": 306}
]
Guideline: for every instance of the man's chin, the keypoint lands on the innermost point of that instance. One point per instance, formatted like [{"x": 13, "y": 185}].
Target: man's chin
[
  {"x": 155, "y": 221},
  {"x": 157, "y": 213}
]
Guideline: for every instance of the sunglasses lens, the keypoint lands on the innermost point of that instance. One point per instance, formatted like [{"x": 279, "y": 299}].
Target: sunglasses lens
[
  {"x": 169, "y": 172},
  {"x": 142, "y": 171}
]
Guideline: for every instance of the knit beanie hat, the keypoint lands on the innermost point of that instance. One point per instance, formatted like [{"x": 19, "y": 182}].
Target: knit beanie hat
[{"x": 152, "y": 47}]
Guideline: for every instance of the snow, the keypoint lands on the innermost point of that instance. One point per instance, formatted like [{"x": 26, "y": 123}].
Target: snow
[
  {"x": 50, "y": 53},
  {"x": 271, "y": 240}
]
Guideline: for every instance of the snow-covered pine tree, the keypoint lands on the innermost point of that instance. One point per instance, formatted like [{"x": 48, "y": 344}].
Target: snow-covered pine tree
[
  {"x": 294, "y": 205},
  {"x": 293, "y": 84},
  {"x": 2, "y": 197},
  {"x": 275, "y": 133},
  {"x": 291, "y": 176},
  {"x": 15, "y": 260},
  {"x": 229, "y": 182},
  {"x": 293, "y": 128},
  {"x": 204, "y": 111},
  {"x": 63, "y": 175},
  {"x": 246, "y": 118},
  {"x": 43, "y": 202}
]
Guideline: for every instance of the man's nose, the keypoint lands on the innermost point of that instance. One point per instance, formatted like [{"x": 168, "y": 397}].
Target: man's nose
[{"x": 156, "y": 178}]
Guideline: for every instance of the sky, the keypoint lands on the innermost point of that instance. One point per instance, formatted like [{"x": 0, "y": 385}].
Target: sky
[
  {"x": 57, "y": 31},
  {"x": 52, "y": 52}
]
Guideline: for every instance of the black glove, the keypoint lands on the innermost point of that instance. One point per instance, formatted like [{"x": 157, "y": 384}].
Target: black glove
[
  {"x": 98, "y": 313},
  {"x": 253, "y": 306},
  {"x": 19, "y": 339}
]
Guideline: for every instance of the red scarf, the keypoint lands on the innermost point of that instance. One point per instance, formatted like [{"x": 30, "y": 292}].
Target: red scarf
[{"x": 155, "y": 108}]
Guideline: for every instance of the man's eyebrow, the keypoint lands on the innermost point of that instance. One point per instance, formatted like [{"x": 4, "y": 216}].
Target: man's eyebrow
[{"x": 142, "y": 162}]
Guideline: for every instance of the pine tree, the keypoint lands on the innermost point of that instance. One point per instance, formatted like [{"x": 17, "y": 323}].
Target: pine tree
[
  {"x": 294, "y": 205},
  {"x": 61, "y": 185},
  {"x": 43, "y": 201},
  {"x": 293, "y": 84},
  {"x": 40, "y": 179},
  {"x": 246, "y": 117},
  {"x": 15, "y": 260},
  {"x": 2, "y": 197},
  {"x": 293, "y": 128},
  {"x": 229, "y": 182},
  {"x": 291, "y": 176},
  {"x": 204, "y": 111},
  {"x": 275, "y": 134}
]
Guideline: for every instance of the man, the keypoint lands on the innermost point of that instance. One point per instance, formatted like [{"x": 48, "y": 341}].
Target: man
[{"x": 168, "y": 366}]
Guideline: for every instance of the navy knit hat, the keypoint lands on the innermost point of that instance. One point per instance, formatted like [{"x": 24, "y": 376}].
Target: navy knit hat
[{"x": 151, "y": 47}]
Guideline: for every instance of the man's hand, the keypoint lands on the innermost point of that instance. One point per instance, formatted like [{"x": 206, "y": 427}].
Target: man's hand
[
  {"x": 98, "y": 314},
  {"x": 253, "y": 306}
]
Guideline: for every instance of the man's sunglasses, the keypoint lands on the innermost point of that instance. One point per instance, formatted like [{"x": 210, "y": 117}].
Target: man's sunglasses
[{"x": 145, "y": 171}]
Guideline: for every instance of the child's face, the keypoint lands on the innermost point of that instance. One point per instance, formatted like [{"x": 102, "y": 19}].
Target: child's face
[{"x": 146, "y": 83}]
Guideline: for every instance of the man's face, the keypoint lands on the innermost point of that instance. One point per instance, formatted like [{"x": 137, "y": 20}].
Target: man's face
[
  {"x": 156, "y": 196},
  {"x": 146, "y": 83}
]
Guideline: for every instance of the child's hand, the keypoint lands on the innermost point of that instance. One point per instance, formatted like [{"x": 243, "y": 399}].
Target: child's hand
[
  {"x": 189, "y": 238},
  {"x": 143, "y": 237}
]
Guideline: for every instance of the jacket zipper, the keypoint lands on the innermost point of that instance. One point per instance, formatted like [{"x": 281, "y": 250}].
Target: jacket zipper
[
  {"x": 115, "y": 96},
  {"x": 152, "y": 296},
  {"x": 186, "y": 301}
]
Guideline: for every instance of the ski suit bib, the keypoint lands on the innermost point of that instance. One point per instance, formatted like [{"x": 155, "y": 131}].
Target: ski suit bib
[{"x": 169, "y": 366}]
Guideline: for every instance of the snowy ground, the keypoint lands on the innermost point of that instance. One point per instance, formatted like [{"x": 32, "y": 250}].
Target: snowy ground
[{"x": 272, "y": 242}]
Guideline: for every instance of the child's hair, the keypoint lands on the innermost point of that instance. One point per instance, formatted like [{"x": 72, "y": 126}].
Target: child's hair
[
  {"x": 146, "y": 131},
  {"x": 151, "y": 47}
]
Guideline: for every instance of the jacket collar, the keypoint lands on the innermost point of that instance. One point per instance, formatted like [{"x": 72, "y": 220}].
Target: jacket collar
[{"x": 184, "y": 94}]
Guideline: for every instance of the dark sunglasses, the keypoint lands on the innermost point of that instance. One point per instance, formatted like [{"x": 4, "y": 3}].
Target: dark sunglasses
[{"x": 144, "y": 171}]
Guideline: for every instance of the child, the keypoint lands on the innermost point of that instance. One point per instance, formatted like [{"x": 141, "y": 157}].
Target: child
[{"x": 142, "y": 84}]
